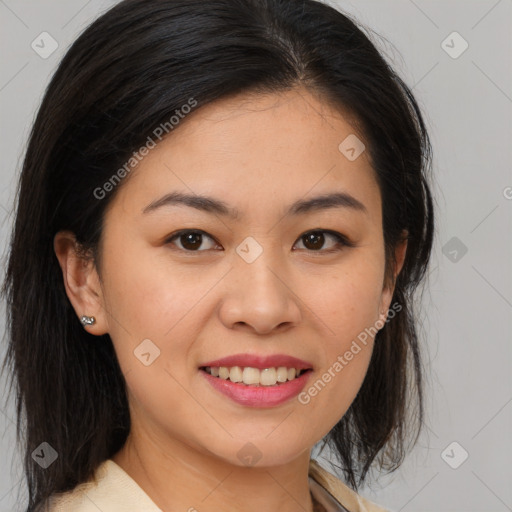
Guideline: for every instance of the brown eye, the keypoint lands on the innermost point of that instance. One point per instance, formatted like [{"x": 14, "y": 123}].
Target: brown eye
[
  {"x": 190, "y": 240},
  {"x": 315, "y": 240}
]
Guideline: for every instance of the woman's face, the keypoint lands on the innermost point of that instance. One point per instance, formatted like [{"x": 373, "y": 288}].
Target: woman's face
[{"x": 259, "y": 283}]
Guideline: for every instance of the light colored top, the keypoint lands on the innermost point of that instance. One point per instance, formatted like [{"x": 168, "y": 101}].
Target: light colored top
[{"x": 113, "y": 490}]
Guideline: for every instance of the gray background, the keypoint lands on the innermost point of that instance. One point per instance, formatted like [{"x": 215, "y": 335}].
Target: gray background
[{"x": 466, "y": 316}]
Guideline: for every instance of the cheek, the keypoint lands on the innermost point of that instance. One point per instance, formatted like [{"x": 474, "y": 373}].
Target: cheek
[
  {"x": 161, "y": 402},
  {"x": 155, "y": 311},
  {"x": 151, "y": 326},
  {"x": 346, "y": 301},
  {"x": 146, "y": 297},
  {"x": 345, "y": 355},
  {"x": 347, "y": 305}
]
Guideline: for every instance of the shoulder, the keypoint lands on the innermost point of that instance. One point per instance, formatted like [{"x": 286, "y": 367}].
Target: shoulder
[
  {"x": 352, "y": 501},
  {"x": 111, "y": 489}
]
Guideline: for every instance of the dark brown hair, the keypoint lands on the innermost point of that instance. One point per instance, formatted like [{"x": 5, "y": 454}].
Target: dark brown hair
[{"x": 127, "y": 73}]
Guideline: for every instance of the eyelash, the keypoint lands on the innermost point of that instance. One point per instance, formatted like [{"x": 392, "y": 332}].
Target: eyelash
[{"x": 341, "y": 239}]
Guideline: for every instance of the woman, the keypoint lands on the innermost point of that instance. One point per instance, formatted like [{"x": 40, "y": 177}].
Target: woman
[{"x": 222, "y": 217}]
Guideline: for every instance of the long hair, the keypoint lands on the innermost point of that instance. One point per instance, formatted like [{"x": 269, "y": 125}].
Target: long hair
[{"x": 126, "y": 74}]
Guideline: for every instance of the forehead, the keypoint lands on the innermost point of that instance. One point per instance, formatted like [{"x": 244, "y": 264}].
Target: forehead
[{"x": 252, "y": 150}]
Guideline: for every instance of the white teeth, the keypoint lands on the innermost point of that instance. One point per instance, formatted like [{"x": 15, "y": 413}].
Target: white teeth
[
  {"x": 282, "y": 374},
  {"x": 251, "y": 376},
  {"x": 254, "y": 376},
  {"x": 235, "y": 374},
  {"x": 223, "y": 372},
  {"x": 268, "y": 377}
]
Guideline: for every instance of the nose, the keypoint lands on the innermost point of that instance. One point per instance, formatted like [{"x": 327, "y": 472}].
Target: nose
[{"x": 259, "y": 297}]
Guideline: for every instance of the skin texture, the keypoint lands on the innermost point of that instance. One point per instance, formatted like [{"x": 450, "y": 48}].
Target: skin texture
[{"x": 259, "y": 154}]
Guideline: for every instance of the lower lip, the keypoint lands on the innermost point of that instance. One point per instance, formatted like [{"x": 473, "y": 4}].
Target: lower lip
[{"x": 258, "y": 396}]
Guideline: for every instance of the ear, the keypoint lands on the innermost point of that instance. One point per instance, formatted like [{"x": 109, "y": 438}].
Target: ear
[
  {"x": 81, "y": 281},
  {"x": 387, "y": 291}
]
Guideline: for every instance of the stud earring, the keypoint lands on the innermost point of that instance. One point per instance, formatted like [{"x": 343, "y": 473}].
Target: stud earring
[{"x": 87, "y": 320}]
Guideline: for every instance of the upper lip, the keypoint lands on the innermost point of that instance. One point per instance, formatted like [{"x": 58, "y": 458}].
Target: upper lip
[{"x": 260, "y": 361}]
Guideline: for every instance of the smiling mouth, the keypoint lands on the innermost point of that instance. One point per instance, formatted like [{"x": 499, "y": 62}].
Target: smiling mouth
[{"x": 254, "y": 376}]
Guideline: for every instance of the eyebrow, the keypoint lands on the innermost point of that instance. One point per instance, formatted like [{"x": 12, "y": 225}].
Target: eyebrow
[{"x": 218, "y": 207}]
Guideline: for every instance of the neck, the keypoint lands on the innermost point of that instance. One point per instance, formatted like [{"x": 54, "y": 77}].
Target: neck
[{"x": 180, "y": 477}]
